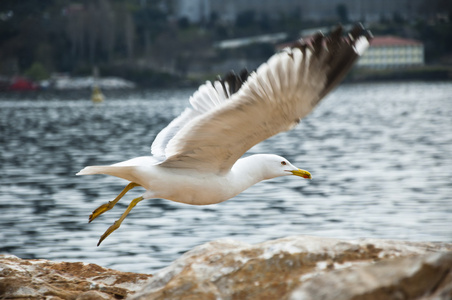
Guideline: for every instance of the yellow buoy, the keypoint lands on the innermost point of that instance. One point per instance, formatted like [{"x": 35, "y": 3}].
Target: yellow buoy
[{"x": 97, "y": 96}]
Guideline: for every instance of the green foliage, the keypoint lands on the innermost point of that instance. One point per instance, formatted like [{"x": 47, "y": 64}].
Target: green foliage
[{"x": 37, "y": 72}]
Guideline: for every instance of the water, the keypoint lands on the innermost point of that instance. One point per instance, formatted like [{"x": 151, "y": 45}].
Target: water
[{"x": 380, "y": 155}]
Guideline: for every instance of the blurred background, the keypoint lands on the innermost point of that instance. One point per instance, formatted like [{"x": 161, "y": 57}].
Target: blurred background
[
  {"x": 93, "y": 82},
  {"x": 156, "y": 43}
]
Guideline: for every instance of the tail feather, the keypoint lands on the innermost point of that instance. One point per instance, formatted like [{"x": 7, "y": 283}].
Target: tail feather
[
  {"x": 124, "y": 172},
  {"x": 125, "y": 169},
  {"x": 92, "y": 170}
]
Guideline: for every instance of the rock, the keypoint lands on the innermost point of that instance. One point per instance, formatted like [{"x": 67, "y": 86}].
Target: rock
[
  {"x": 307, "y": 268},
  {"x": 38, "y": 279},
  {"x": 291, "y": 268},
  {"x": 420, "y": 277}
]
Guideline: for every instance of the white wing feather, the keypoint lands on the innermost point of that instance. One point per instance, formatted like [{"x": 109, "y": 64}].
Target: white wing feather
[
  {"x": 273, "y": 99},
  {"x": 206, "y": 98},
  {"x": 220, "y": 128}
]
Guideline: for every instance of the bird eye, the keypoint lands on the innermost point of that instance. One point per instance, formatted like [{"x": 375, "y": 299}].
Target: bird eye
[{"x": 283, "y": 163}]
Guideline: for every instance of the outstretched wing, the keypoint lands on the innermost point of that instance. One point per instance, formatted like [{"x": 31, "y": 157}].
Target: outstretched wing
[
  {"x": 229, "y": 117},
  {"x": 207, "y": 98}
]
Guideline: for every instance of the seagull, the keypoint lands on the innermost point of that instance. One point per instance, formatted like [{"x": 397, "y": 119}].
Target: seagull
[{"x": 197, "y": 159}]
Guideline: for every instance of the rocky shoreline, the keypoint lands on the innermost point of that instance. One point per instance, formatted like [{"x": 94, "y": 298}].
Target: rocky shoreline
[{"x": 297, "y": 267}]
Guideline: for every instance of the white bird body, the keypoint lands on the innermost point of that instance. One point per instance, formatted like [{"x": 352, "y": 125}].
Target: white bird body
[
  {"x": 194, "y": 187},
  {"x": 197, "y": 157}
]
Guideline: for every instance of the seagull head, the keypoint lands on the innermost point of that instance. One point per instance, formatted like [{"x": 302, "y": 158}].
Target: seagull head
[{"x": 276, "y": 166}]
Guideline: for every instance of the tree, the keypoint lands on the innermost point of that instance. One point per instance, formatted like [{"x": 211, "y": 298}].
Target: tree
[
  {"x": 37, "y": 72},
  {"x": 129, "y": 32},
  {"x": 246, "y": 19},
  {"x": 342, "y": 12}
]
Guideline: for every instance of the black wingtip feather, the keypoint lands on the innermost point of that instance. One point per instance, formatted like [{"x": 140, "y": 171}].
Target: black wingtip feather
[
  {"x": 234, "y": 81},
  {"x": 340, "y": 58},
  {"x": 343, "y": 56}
]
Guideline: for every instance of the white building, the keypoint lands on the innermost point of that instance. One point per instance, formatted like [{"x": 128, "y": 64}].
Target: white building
[{"x": 392, "y": 52}]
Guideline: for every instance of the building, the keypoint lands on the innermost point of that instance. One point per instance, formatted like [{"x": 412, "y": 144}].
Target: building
[
  {"x": 307, "y": 10},
  {"x": 386, "y": 52}
]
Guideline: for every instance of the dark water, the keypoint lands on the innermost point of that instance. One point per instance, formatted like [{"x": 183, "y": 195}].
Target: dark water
[{"x": 380, "y": 155}]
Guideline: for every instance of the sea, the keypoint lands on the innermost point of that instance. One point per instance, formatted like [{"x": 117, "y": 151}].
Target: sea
[{"x": 380, "y": 155}]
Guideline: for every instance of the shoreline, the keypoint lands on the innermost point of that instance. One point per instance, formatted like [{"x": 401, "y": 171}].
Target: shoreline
[
  {"x": 417, "y": 73},
  {"x": 168, "y": 81}
]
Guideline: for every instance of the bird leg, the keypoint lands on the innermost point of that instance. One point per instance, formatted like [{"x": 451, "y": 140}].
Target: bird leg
[
  {"x": 118, "y": 222},
  {"x": 107, "y": 206}
]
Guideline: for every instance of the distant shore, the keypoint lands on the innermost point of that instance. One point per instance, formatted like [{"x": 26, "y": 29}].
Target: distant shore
[
  {"x": 422, "y": 73},
  {"x": 425, "y": 73},
  {"x": 140, "y": 80}
]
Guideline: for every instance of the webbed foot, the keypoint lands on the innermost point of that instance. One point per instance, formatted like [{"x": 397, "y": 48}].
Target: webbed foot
[
  {"x": 107, "y": 206},
  {"x": 117, "y": 223}
]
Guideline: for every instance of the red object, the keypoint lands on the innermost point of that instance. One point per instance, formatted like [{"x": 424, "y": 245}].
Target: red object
[
  {"x": 385, "y": 41},
  {"x": 22, "y": 84}
]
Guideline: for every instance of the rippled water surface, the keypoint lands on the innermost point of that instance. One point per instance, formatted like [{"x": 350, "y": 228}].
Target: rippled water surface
[{"x": 380, "y": 155}]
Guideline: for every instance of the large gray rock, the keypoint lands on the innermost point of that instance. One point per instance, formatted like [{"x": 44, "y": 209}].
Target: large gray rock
[
  {"x": 304, "y": 267},
  {"x": 419, "y": 277},
  {"x": 294, "y": 268}
]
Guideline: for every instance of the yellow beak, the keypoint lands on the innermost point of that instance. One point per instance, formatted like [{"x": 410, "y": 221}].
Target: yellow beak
[{"x": 302, "y": 173}]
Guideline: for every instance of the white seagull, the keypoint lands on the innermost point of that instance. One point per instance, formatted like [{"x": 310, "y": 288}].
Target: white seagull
[{"x": 197, "y": 157}]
